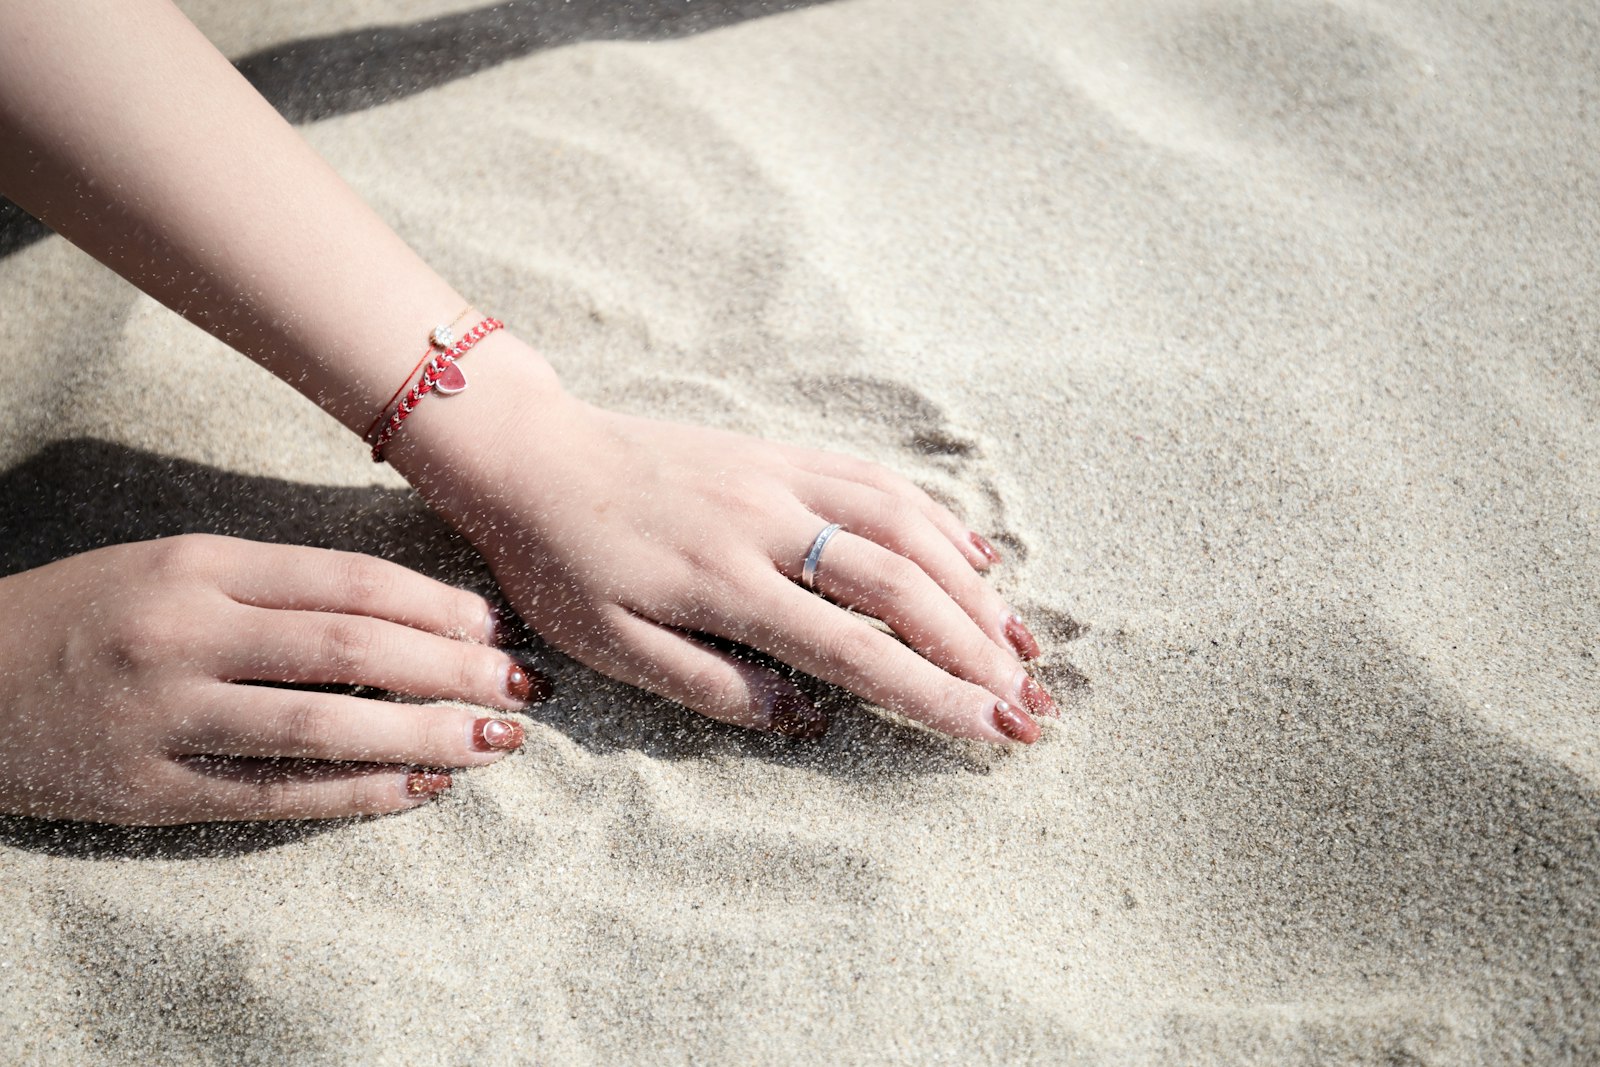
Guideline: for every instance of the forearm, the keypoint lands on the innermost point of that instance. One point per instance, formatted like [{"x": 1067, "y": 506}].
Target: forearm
[{"x": 130, "y": 135}]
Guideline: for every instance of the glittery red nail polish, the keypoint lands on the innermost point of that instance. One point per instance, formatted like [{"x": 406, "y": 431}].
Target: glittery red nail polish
[
  {"x": 981, "y": 543},
  {"x": 1020, "y": 638},
  {"x": 497, "y": 735},
  {"x": 427, "y": 783},
  {"x": 1014, "y": 723},
  {"x": 1037, "y": 699}
]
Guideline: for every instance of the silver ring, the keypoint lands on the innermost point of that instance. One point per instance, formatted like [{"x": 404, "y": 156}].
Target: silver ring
[{"x": 808, "y": 573}]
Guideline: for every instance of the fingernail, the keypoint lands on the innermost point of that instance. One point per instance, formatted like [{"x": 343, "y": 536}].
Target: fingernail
[
  {"x": 427, "y": 783},
  {"x": 1037, "y": 699},
  {"x": 793, "y": 715},
  {"x": 497, "y": 735},
  {"x": 523, "y": 684},
  {"x": 1020, "y": 638},
  {"x": 981, "y": 543},
  {"x": 1015, "y": 723},
  {"x": 497, "y": 627}
]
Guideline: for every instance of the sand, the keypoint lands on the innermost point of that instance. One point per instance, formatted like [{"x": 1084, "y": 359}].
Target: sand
[{"x": 1261, "y": 337}]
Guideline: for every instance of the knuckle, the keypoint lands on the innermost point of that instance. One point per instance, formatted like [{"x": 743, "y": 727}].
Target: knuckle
[
  {"x": 139, "y": 642},
  {"x": 130, "y": 646},
  {"x": 170, "y": 637},
  {"x": 306, "y": 727},
  {"x": 900, "y": 578},
  {"x": 907, "y": 524},
  {"x": 852, "y": 645},
  {"x": 281, "y": 793},
  {"x": 346, "y": 644},
  {"x": 899, "y": 525},
  {"x": 189, "y": 555},
  {"x": 363, "y": 579}
]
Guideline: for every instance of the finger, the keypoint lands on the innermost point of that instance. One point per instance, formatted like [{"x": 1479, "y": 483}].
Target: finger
[
  {"x": 886, "y": 520},
  {"x": 240, "y": 789},
  {"x": 672, "y": 664},
  {"x": 297, "y": 578},
  {"x": 312, "y": 647},
  {"x": 807, "y": 632},
  {"x": 973, "y": 546},
  {"x": 242, "y": 720},
  {"x": 868, "y": 578}
]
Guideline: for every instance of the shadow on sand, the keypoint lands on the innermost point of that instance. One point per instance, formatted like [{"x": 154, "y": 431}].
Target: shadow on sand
[
  {"x": 320, "y": 77},
  {"x": 79, "y": 495}
]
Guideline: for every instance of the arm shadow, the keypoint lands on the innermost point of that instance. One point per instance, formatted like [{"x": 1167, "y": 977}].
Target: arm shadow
[{"x": 320, "y": 77}]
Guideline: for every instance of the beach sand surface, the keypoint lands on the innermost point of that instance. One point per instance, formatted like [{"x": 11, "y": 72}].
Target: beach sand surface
[{"x": 1262, "y": 338}]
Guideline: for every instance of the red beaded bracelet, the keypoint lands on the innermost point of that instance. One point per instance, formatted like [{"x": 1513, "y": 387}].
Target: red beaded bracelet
[
  {"x": 441, "y": 375},
  {"x": 440, "y": 338}
]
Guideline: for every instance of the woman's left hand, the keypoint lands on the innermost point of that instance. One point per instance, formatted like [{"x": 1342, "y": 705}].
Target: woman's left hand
[{"x": 621, "y": 539}]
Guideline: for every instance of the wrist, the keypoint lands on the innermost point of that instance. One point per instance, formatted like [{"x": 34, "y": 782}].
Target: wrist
[{"x": 457, "y": 450}]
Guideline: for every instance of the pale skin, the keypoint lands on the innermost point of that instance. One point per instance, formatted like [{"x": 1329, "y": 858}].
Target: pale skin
[{"x": 617, "y": 539}]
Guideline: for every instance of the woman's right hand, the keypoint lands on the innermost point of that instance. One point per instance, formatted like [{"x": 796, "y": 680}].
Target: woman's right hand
[{"x": 121, "y": 698}]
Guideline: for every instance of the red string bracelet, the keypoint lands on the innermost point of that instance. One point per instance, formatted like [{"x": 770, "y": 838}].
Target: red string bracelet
[
  {"x": 441, "y": 375},
  {"x": 440, "y": 338}
]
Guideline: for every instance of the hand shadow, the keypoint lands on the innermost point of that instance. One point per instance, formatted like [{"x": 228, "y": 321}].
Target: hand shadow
[{"x": 82, "y": 494}]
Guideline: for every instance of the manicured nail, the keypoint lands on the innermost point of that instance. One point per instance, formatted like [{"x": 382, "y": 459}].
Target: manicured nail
[
  {"x": 497, "y": 735},
  {"x": 1020, "y": 638},
  {"x": 427, "y": 783},
  {"x": 525, "y": 685},
  {"x": 1037, "y": 699},
  {"x": 1014, "y": 723},
  {"x": 497, "y": 627},
  {"x": 988, "y": 551},
  {"x": 793, "y": 715}
]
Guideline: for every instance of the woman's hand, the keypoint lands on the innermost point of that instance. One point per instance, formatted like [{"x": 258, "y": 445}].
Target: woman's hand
[
  {"x": 619, "y": 539},
  {"x": 120, "y": 694}
]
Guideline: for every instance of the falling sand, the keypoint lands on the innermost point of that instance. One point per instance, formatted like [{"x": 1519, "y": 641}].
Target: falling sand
[{"x": 1262, "y": 339}]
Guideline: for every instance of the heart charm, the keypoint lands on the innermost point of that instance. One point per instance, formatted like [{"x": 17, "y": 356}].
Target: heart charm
[{"x": 451, "y": 380}]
